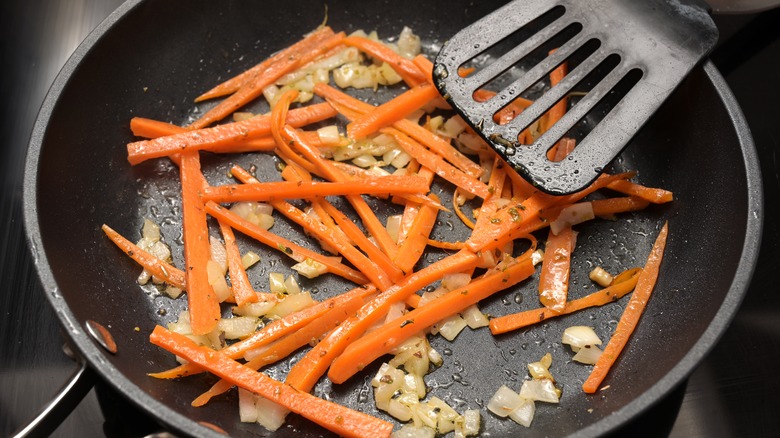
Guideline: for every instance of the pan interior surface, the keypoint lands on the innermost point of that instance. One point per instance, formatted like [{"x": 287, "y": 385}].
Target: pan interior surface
[{"x": 155, "y": 57}]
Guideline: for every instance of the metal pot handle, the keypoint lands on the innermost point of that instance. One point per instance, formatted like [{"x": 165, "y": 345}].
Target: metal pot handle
[{"x": 67, "y": 398}]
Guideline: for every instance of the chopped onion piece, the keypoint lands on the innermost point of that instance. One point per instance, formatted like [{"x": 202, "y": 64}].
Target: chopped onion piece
[
  {"x": 310, "y": 268},
  {"x": 182, "y": 325},
  {"x": 218, "y": 253},
  {"x": 254, "y": 309},
  {"x": 542, "y": 390},
  {"x": 276, "y": 281},
  {"x": 293, "y": 303},
  {"x": 455, "y": 281},
  {"x": 217, "y": 280},
  {"x": 537, "y": 370},
  {"x": 589, "y": 354},
  {"x": 249, "y": 259},
  {"x": 240, "y": 116},
  {"x": 173, "y": 291},
  {"x": 291, "y": 286},
  {"x": 572, "y": 215},
  {"x": 537, "y": 257},
  {"x": 600, "y": 276},
  {"x": 398, "y": 410},
  {"x": 390, "y": 76},
  {"x": 579, "y": 336},
  {"x": 237, "y": 327},
  {"x": 151, "y": 230},
  {"x": 474, "y": 317},
  {"x": 435, "y": 357},
  {"x": 453, "y": 127},
  {"x": 408, "y": 43},
  {"x": 247, "y": 411},
  {"x": 269, "y": 414},
  {"x": 471, "y": 421},
  {"x": 524, "y": 413},
  {"x": 450, "y": 328},
  {"x": 504, "y": 401},
  {"x": 329, "y": 135},
  {"x": 393, "y": 226},
  {"x": 364, "y": 160},
  {"x": 411, "y": 431},
  {"x": 396, "y": 310}
]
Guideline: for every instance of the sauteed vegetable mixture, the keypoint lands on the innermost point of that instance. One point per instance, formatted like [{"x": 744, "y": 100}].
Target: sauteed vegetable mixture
[{"x": 331, "y": 146}]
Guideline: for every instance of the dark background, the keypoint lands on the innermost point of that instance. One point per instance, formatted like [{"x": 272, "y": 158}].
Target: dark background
[{"x": 734, "y": 392}]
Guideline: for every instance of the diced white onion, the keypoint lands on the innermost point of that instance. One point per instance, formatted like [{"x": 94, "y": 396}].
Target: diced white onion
[
  {"x": 293, "y": 303},
  {"x": 218, "y": 253},
  {"x": 364, "y": 161},
  {"x": 542, "y": 390},
  {"x": 451, "y": 327},
  {"x": 455, "y": 281},
  {"x": 411, "y": 431},
  {"x": 254, "y": 309},
  {"x": 247, "y": 411},
  {"x": 217, "y": 280},
  {"x": 408, "y": 43},
  {"x": 600, "y": 276},
  {"x": 538, "y": 370},
  {"x": 537, "y": 257},
  {"x": 150, "y": 230},
  {"x": 588, "y": 354},
  {"x": 329, "y": 135},
  {"x": 276, "y": 282},
  {"x": 504, "y": 401},
  {"x": 572, "y": 215},
  {"x": 474, "y": 317},
  {"x": 393, "y": 226},
  {"x": 579, "y": 336},
  {"x": 249, "y": 259},
  {"x": 173, "y": 291},
  {"x": 471, "y": 422},
  {"x": 269, "y": 414},
  {"x": 182, "y": 325},
  {"x": 390, "y": 76},
  {"x": 524, "y": 413},
  {"x": 310, "y": 268},
  {"x": 237, "y": 327},
  {"x": 453, "y": 127},
  {"x": 435, "y": 357},
  {"x": 291, "y": 285}
]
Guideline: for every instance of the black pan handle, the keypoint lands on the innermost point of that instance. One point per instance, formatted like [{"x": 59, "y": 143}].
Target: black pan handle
[{"x": 67, "y": 398}]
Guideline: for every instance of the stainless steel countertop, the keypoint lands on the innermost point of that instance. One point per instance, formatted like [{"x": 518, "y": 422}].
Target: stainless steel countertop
[{"x": 734, "y": 392}]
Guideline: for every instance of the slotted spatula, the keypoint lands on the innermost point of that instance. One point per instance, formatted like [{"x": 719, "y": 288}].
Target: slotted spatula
[{"x": 638, "y": 49}]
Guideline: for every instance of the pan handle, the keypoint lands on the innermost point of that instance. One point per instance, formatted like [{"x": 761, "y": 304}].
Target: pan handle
[{"x": 67, "y": 398}]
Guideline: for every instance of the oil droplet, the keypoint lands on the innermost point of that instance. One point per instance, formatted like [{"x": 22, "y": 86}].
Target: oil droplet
[{"x": 518, "y": 298}]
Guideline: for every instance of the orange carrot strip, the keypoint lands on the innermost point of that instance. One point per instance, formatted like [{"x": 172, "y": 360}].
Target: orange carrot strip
[
  {"x": 305, "y": 373},
  {"x": 425, "y": 66},
  {"x": 254, "y": 87},
  {"x": 275, "y": 330},
  {"x": 653, "y": 195},
  {"x": 453, "y": 246},
  {"x": 285, "y": 346},
  {"x": 201, "y": 299},
  {"x": 404, "y": 67},
  {"x": 630, "y": 318},
  {"x": 558, "y": 110},
  {"x": 610, "y": 206},
  {"x": 295, "y": 252},
  {"x": 278, "y": 117},
  {"x": 607, "y": 295},
  {"x": 438, "y": 165},
  {"x": 563, "y": 148},
  {"x": 392, "y": 111},
  {"x": 433, "y": 142},
  {"x": 351, "y": 172},
  {"x": 232, "y": 85},
  {"x": 242, "y": 288},
  {"x": 363, "y": 210},
  {"x": 227, "y": 136},
  {"x": 269, "y": 191},
  {"x": 554, "y": 278},
  {"x": 334, "y": 417},
  {"x": 417, "y": 238},
  {"x": 149, "y": 128},
  {"x": 378, "y": 342},
  {"x": 158, "y": 268}
]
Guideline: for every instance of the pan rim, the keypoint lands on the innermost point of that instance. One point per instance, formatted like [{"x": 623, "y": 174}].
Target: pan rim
[{"x": 179, "y": 423}]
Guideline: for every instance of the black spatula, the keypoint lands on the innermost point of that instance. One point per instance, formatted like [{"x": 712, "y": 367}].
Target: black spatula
[{"x": 630, "y": 54}]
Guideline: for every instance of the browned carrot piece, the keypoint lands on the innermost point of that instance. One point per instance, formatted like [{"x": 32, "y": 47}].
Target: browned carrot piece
[
  {"x": 630, "y": 318},
  {"x": 378, "y": 342},
  {"x": 285, "y": 346},
  {"x": 404, "y": 67},
  {"x": 295, "y": 252},
  {"x": 614, "y": 292},
  {"x": 392, "y": 111},
  {"x": 227, "y": 136},
  {"x": 554, "y": 277},
  {"x": 305, "y": 373},
  {"x": 242, "y": 289},
  {"x": 255, "y": 86},
  {"x": 269, "y": 191},
  {"x": 233, "y": 84},
  {"x": 201, "y": 299},
  {"x": 158, "y": 268},
  {"x": 334, "y": 417},
  {"x": 417, "y": 238},
  {"x": 653, "y": 195},
  {"x": 610, "y": 206}
]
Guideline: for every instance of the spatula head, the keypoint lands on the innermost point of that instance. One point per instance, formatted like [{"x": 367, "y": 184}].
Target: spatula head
[{"x": 624, "y": 58}]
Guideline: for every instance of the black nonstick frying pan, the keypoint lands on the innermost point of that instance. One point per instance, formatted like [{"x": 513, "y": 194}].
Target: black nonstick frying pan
[{"x": 152, "y": 58}]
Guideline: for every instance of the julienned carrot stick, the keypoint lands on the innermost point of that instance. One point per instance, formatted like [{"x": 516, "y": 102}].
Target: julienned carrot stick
[
  {"x": 437, "y": 164},
  {"x": 201, "y": 299},
  {"x": 236, "y": 82},
  {"x": 242, "y": 289},
  {"x": 554, "y": 277},
  {"x": 607, "y": 295},
  {"x": 404, "y": 67},
  {"x": 416, "y": 239},
  {"x": 630, "y": 318},
  {"x": 287, "y": 345},
  {"x": 254, "y": 87},
  {"x": 363, "y": 210},
  {"x": 157, "y": 267},
  {"x": 380, "y": 341},
  {"x": 610, "y": 206},
  {"x": 656, "y": 196},
  {"x": 563, "y": 148},
  {"x": 275, "y": 330},
  {"x": 417, "y": 132},
  {"x": 227, "y": 136},
  {"x": 267, "y": 191},
  {"x": 334, "y": 417},
  {"x": 295, "y": 252},
  {"x": 307, "y": 371},
  {"x": 392, "y": 111},
  {"x": 278, "y": 118},
  {"x": 558, "y": 110},
  {"x": 149, "y": 128}
]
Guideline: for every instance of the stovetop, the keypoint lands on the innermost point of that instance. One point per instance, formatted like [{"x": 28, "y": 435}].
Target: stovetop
[{"x": 734, "y": 391}]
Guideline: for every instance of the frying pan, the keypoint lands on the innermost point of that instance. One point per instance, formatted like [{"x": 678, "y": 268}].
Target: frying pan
[{"x": 151, "y": 58}]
